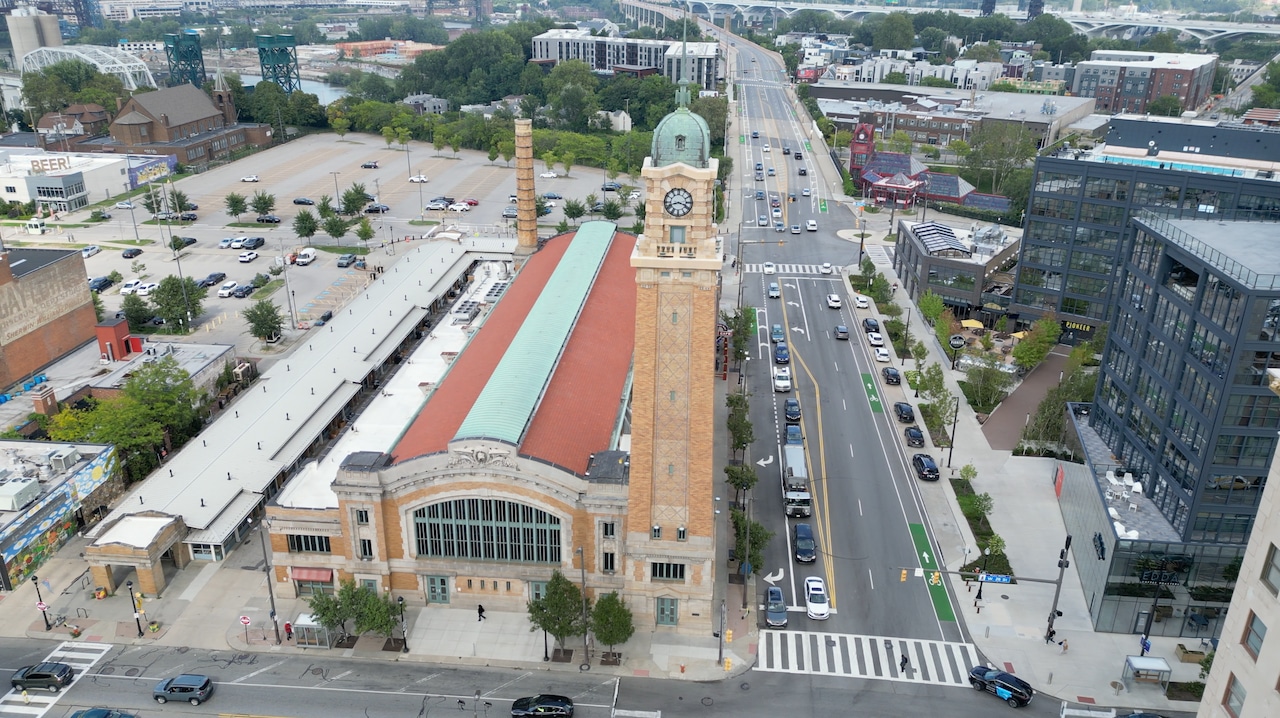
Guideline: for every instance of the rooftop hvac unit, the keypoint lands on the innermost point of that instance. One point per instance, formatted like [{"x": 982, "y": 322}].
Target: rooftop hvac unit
[
  {"x": 242, "y": 371},
  {"x": 18, "y": 493},
  {"x": 65, "y": 458}
]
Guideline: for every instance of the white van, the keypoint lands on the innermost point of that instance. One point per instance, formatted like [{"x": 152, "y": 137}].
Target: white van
[{"x": 306, "y": 256}]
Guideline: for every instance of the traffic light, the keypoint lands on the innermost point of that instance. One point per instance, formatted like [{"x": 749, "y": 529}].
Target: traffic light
[
  {"x": 935, "y": 578},
  {"x": 904, "y": 575},
  {"x": 728, "y": 664},
  {"x": 728, "y": 636}
]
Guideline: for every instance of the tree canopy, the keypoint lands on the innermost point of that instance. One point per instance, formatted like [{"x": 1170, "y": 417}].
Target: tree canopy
[{"x": 66, "y": 83}]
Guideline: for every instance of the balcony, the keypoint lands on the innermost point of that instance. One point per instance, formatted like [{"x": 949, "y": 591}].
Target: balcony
[{"x": 686, "y": 251}]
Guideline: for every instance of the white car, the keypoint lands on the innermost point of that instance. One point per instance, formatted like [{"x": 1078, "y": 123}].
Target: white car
[
  {"x": 549, "y": 203},
  {"x": 769, "y": 268},
  {"x": 238, "y": 242},
  {"x": 124, "y": 205},
  {"x": 548, "y": 175},
  {"x": 89, "y": 251},
  {"x": 811, "y": 225},
  {"x": 227, "y": 288},
  {"x": 805, "y": 192},
  {"x": 250, "y": 178},
  {"x": 826, "y": 268},
  {"x": 146, "y": 289},
  {"x": 817, "y": 604},
  {"x": 882, "y": 354},
  {"x": 249, "y": 256},
  {"x": 833, "y": 301},
  {"x": 418, "y": 178},
  {"x": 459, "y": 207},
  {"x": 781, "y": 378},
  {"x": 874, "y": 339},
  {"x": 634, "y": 195},
  {"x": 777, "y": 213},
  {"x": 766, "y": 148},
  {"x": 862, "y": 302}
]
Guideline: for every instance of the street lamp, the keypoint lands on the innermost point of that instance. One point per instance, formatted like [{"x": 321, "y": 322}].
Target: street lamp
[
  {"x": 132, "y": 216},
  {"x": 404, "y": 632},
  {"x": 335, "y": 185},
  {"x": 983, "y": 572},
  {"x": 582, "y": 563},
  {"x": 954, "y": 418},
  {"x": 35, "y": 581},
  {"x": 133, "y": 603},
  {"x": 266, "y": 560}
]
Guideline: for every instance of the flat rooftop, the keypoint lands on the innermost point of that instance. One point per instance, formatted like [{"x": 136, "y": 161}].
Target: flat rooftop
[
  {"x": 1244, "y": 250},
  {"x": 996, "y": 105},
  {"x": 192, "y": 358},
  {"x": 23, "y": 261},
  {"x": 23, "y": 460}
]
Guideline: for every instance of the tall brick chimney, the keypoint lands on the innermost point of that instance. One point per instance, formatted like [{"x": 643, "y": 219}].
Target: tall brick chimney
[{"x": 526, "y": 200}]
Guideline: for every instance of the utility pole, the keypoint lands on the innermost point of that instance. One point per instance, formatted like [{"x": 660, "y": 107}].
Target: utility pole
[{"x": 1063, "y": 563}]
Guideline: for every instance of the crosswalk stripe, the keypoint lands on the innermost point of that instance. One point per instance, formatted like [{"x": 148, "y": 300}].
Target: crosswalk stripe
[
  {"x": 875, "y": 657},
  {"x": 81, "y": 656},
  {"x": 786, "y": 269}
]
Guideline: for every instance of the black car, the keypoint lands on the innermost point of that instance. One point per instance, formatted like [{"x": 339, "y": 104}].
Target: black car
[
  {"x": 212, "y": 280},
  {"x": 441, "y": 198},
  {"x": 52, "y": 677},
  {"x": 303, "y": 201},
  {"x": 187, "y": 241},
  {"x": 914, "y": 436},
  {"x": 324, "y": 318},
  {"x": 243, "y": 291},
  {"x": 268, "y": 219},
  {"x": 376, "y": 209},
  {"x": 369, "y": 165},
  {"x": 188, "y": 217},
  {"x": 926, "y": 469},
  {"x": 904, "y": 412},
  {"x": 543, "y": 705},
  {"x": 870, "y": 325},
  {"x": 791, "y": 411},
  {"x": 552, "y": 195},
  {"x": 369, "y": 198},
  {"x": 891, "y": 376},
  {"x": 131, "y": 252},
  {"x": 254, "y": 242},
  {"x": 1010, "y": 688},
  {"x": 97, "y": 284},
  {"x": 611, "y": 186}
]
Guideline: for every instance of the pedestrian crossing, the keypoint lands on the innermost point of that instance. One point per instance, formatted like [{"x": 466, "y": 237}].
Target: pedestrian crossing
[
  {"x": 82, "y": 657},
  {"x": 879, "y": 255},
  {"x": 943, "y": 663},
  {"x": 790, "y": 269}
]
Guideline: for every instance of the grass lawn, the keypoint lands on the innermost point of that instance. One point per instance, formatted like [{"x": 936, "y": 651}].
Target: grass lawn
[
  {"x": 340, "y": 249},
  {"x": 267, "y": 289},
  {"x": 966, "y": 497}
]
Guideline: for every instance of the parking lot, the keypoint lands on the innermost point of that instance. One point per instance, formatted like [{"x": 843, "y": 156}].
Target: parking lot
[{"x": 309, "y": 167}]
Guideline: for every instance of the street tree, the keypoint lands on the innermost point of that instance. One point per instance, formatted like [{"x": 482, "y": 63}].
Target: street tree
[
  {"x": 389, "y": 135},
  {"x": 493, "y": 152},
  {"x": 574, "y": 209},
  {"x": 178, "y": 300},
  {"x": 152, "y": 202},
  {"x": 136, "y": 311},
  {"x": 262, "y": 202},
  {"x": 868, "y": 270},
  {"x": 1000, "y": 148},
  {"x": 507, "y": 148},
  {"x": 968, "y": 472},
  {"x": 931, "y": 306},
  {"x": 750, "y": 540},
  {"x": 983, "y": 504},
  {"x": 566, "y": 160},
  {"x": 353, "y": 199},
  {"x": 1165, "y": 106},
  {"x": 742, "y": 477},
  {"x": 265, "y": 320},
  {"x": 178, "y": 200},
  {"x": 120, "y": 422},
  {"x": 901, "y": 142},
  {"x": 168, "y": 397},
  {"x": 375, "y": 613},
  {"x": 612, "y": 210},
  {"x": 559, "y": 611},
  {"x": 236, "y": 205},
  {"x": 987, "y": 385},
  {"x": 341, "y": 126},
  {"x": 324, "y": 207},
  {"x": 335, "y": 227},
  {"x": 364, "y": 230},
  {"x": 933, "y": 385},
  {"x": 305, "y": 225},
  {"x": 611, "y": 620},
  {"x": 919, "y": 352},
  {"x": 1038, "y": 342}
]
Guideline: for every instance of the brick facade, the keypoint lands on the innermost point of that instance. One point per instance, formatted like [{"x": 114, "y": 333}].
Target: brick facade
[{"x": 44, "y": 314}]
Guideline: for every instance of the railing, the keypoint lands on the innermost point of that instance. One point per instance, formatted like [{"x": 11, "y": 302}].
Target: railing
[{"x": 689, "y": 251}]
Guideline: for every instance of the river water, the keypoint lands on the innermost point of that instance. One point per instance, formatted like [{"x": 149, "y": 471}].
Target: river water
[{"x": 327, "y": 93}]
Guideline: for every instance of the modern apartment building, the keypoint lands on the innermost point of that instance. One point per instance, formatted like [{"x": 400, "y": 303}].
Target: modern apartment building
[
  {"x": 1125, "y": 81},
  {"x": 1245, "y": 665},
  {"x": 614, "y": 55},
  {"x": 1077, "y": 231}
]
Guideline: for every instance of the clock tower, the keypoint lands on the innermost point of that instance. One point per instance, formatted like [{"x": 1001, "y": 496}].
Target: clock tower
[{"x": 670, "y": 557}]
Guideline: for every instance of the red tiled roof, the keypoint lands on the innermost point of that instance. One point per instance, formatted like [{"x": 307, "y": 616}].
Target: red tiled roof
[
  {"x": 580, "y": 407},
  {"x": 579, "y": 411}
]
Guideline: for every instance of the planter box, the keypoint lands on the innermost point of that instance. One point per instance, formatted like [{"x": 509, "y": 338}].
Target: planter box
[{"x": 1187, "y": 656}]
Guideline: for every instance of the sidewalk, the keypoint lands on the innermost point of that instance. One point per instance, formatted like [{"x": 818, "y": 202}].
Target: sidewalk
[{"x": 1009, "y": 626}]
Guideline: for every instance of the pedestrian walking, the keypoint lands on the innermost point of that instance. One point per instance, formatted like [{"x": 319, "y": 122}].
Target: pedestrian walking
[
  {"x": 902, "y": 665},
  {"x": 480, "y": 612},
  {"x": 288, "y": 631},
  {"x": 26, "y": 698},
  {"x": 1062, "y": 645}
]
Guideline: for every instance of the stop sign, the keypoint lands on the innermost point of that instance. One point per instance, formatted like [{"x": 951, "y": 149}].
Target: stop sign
[
  {"x": 244, "y": 620},
  {"x": 42, "y": 606}
]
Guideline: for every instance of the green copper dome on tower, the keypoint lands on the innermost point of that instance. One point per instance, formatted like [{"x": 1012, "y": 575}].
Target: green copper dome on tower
[{"x": 682, "y": 136}]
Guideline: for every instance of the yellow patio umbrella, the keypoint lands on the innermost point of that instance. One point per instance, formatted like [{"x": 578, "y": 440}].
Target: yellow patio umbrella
[
  {"x": 1019, "y": 335},
  {"x": 971, "y": 324}
]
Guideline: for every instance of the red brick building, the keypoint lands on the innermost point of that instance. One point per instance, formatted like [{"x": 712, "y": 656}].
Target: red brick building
[{"x": 46, "y": 310}]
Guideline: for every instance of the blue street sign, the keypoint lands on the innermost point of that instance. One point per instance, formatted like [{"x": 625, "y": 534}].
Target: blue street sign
[{"x": 994, "y": 578}]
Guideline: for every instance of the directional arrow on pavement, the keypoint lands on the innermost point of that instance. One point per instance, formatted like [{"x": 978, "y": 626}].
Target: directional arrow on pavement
[
  {"x": 773, "y": 577},
  {"x": 793, "y": 304},
  {"x": 925, "y": 556},
  {"x": 765, "y": 461},
  {"x": 798, "y": 329}
]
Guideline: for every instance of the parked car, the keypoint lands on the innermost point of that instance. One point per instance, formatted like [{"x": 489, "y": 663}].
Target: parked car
[
  {"x": 861, "y": 302},
  {"x": 776, "y": 334},
  {"x": 225, "y": 242},
  {"x": 1012, "y": 689},
  {"x": 238, "y": 242},
  {"x": 243, "y": 291},
  {"x": 781, "y": 355},
  {"x": 346, "y": 260},
  {"x": 870, "y": 325},
  {"x": 89, "y": 251},
  {"x": 817, "y": 603},
  {"x": 370, "y": 165},
  {"x": 145, "y": 290},
  {"x": 130, "y": 286},
  {"x": 440, "y": 206},
  {"x": 874, "y": 339},
  {"x": 904, "y": 412},
  {"x": 131, "y": 252},
  {"x": 775, "y": 609},
  {"x": 268, "y": 219},
  {"x": 472, "y": 201},
  {"x": 253, "y": 242},
  {"x": 50, "y": 676},
  {"x": 97, "y": 284},
  {"x": 249, "y": 178},
  {"x": 246, "y": 257},
  {"x": 914, "y": 436},
  {"x": 212, "y": 279},
  {"x": 510, "y": 213},
  {"x": 891, "y": 376},
  {"x": 459, "y": 207},
  {"x": 227, "y": 288},
  {"x": 926, "y": 469},
  {"x": 548, "y": 175},
  {"x": 188, "y": 216},
  {"x": 610, "y": 186},
  {"x": 303, "y": 201},
  {"x": 791, "y": 411},
  {"x": 376, "y": 209},
  {"x": 164, "y": 216},
  {"x": 543, "y": 705},
  {"x": 101, "y": 713},
  {"x": 124, "y": 205},
  {"x": 882, "y": 354},
  {"x": 190, "y": 687},
  {"x": 548, "y": 195},
  {"x": 418, "y": 179},
  {"x": 782, "y": 378}
]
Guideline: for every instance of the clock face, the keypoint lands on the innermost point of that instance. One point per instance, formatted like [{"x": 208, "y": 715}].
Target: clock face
[
  {"x": 862, "y": 136},
  {"x": 678, "y": 202}
]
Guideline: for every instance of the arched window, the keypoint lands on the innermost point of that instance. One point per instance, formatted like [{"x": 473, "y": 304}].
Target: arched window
[
  {"x": 486, "y": 530},
  {"x": 680, "y": 142}
]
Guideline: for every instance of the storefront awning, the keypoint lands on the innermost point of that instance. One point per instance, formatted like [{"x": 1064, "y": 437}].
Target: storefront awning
[{"x": 324, "y": 575}]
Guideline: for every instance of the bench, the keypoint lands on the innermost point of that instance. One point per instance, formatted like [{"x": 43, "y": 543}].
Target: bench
[{"x": 1186, "y": 655}]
